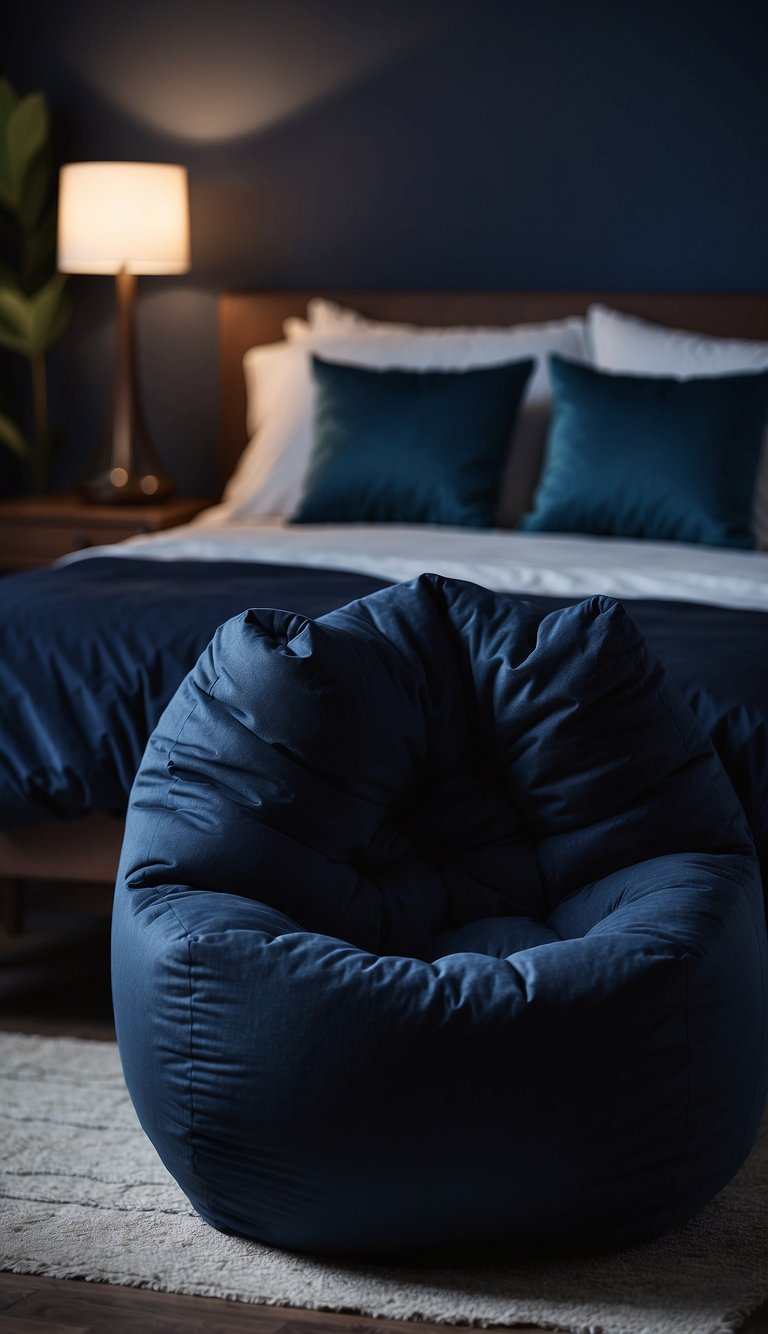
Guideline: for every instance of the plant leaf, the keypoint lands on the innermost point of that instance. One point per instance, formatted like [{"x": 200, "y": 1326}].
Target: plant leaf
[
  {"x": 32, "y": 324},
  {"x": 7, "y": 276},
  {"x": 35, "y": 187},
  {"x": 16, "y": 322},
  {"x": 26, "y": 140},
  {"x": 8, "y": 102},
  {"x": 50, "y": 311},
  {"x": 38, "y": 252},
  {"x": 11, "y": 436}
]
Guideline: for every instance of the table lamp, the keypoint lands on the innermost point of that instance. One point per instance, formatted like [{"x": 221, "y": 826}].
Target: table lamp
[{"x": 124, "y": 218}]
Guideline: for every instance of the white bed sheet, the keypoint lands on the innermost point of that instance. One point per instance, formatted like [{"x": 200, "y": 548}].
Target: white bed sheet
[{"x": 538, "y": 563}]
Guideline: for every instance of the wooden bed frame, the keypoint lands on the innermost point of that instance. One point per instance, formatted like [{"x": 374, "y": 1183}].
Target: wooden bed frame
[{"x": 86, "y": 851}]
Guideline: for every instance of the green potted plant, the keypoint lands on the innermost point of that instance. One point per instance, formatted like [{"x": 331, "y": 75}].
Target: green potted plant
[{"x": 34, "y": 302}]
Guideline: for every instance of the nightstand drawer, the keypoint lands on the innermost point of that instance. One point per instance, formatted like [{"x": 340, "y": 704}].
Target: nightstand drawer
[
  {"x": 37, "y": 530},
  {"x": 39, "y": 544}
]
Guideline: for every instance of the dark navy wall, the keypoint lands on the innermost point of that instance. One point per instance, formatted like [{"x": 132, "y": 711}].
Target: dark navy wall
[{"x": 399, "y": 143}]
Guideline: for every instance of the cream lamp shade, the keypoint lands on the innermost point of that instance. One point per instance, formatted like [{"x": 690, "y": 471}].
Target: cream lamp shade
[{"x": 128, "y": 217}]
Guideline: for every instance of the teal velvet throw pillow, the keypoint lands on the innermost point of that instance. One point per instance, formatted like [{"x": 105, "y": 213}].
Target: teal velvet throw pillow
[
  {"x": 651, "y": 457},
  {"x": 395, "y": 446}
]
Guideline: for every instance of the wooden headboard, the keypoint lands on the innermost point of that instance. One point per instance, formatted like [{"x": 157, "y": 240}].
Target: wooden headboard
[{"x": 250, "y": 318}]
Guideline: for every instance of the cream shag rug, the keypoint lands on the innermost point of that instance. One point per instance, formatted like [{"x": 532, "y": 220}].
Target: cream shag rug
[{"x": 84, "y": 1195}]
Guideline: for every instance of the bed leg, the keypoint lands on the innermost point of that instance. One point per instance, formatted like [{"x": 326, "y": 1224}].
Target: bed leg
[{"x": 12, "y": 897}]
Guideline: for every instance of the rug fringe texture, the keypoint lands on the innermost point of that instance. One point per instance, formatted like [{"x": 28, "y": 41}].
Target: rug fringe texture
[{"x": 74, "y": 1153}]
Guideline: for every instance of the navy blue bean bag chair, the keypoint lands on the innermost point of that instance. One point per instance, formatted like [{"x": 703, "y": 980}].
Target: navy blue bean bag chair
[{"x": 438, "y": 922}]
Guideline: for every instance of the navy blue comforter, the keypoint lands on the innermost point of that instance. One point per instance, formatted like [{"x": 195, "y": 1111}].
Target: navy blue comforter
[{"x": 92, "y": 652}]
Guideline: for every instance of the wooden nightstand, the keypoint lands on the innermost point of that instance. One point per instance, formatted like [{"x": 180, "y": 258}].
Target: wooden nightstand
[{"x": 35, "y": 530}]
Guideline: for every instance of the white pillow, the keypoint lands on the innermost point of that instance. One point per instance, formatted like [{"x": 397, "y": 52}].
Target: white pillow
[
  {"x": 637, "y": 347},
  {"x": 270, "y": 475},
  {"x": 325, "y": 319}
]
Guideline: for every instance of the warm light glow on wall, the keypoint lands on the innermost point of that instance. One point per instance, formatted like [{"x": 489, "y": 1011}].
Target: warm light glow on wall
[
  {"x": 123, "y": 215},
  {"x": 207, "y": 73}
]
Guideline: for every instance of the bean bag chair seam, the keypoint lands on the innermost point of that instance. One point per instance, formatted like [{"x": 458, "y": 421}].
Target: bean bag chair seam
[
  {"x": 193, "y": 1134},
  {"x": 167, "y": 804},
  {"x": 161, "y": 891},
  {"x": 743, "y": 857},
  {"x": 638, "y": 652},
  {"x": 434, "y": 585}
]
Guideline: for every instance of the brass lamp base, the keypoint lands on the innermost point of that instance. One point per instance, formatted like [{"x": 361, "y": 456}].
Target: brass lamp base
[
  {"x": 114, "y": 487},
  {"x": 126, "y": 469}
]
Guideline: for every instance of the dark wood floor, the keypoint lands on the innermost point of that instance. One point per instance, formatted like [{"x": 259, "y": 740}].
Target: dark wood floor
[{"x": 54, "y": 980}]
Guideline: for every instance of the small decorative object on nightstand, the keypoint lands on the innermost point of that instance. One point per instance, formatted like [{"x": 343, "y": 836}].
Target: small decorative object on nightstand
[
  {"x": 124, "y": 218},
  {"x": 37, "y": 529}
]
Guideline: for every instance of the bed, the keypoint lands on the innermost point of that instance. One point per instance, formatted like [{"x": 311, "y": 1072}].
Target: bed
[{"x": 703, "y": 610}]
